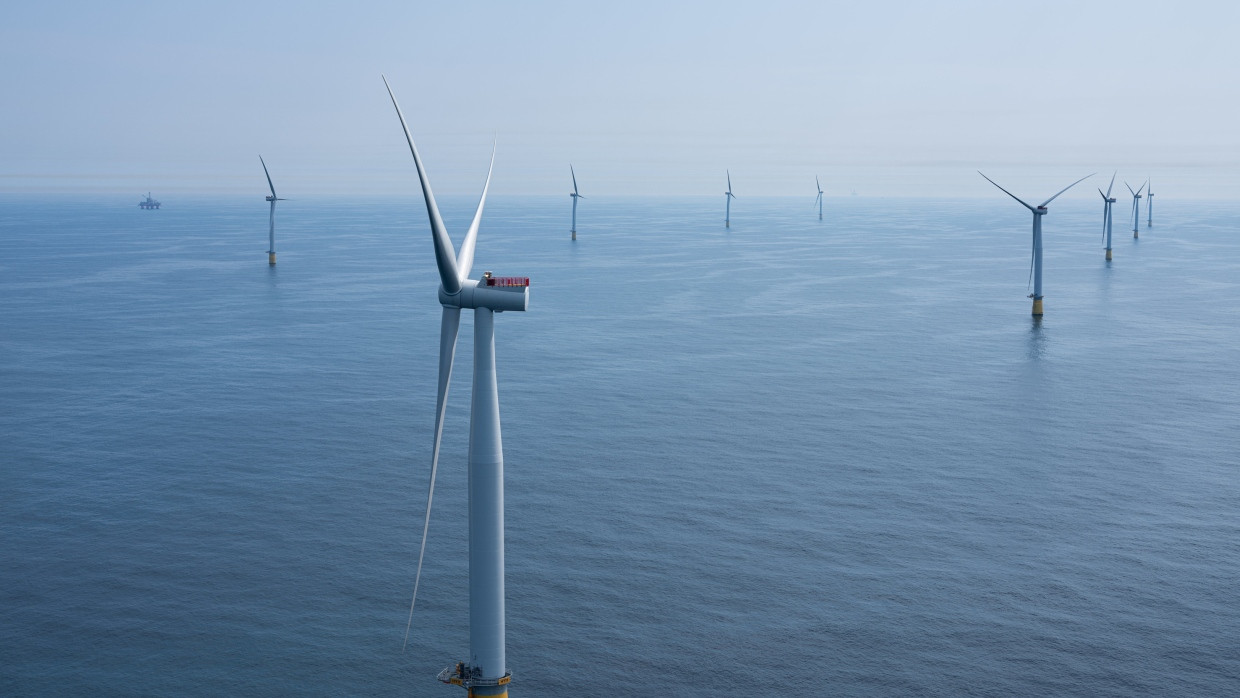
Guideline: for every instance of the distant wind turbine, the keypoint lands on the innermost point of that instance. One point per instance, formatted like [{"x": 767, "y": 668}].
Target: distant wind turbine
[
  {"x": 1136, "y": 206},
  {"x": 575, "y": 196},
  {"x": 1036, "y": 261},
  {"x": 727, "y": 197},
  {"x": 819, "y": 199},
  {"x": 1149, "y": 205},
  {"x": 271, "y": 219},
  {"x": 485, "y": 673},
  {"x": 1106, "y": 215}
]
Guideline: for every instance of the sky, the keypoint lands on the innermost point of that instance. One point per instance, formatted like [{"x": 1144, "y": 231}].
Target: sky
[{"x": 643, "y": 98}]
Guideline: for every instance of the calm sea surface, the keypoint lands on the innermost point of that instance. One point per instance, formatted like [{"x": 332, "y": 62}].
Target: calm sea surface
[{"x": 792, "y": 457}]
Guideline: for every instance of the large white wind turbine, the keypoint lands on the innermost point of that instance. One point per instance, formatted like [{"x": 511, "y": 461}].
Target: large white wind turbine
[
  {"x": 819, "y": 200},
  {"x": 485, "y": 673},
  {"x": 271, "y": 218},
  {"x": 1106, "y": 215},
  {"x": 1036, "y": 262},
  {"x": 727, "y": 197},
  {"x": 1149, "y": 204},
  {"x": 575, "y": 196},
  {"x": 1136, "y": 206}
]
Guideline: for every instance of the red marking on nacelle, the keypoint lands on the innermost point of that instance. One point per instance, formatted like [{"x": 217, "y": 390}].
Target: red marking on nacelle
[{"x": 508, "y": 281}]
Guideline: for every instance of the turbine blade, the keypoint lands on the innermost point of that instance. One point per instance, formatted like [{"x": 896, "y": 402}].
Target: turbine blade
[
  {"x": 570, "y": 169},
  {"x": 273, "y": 187},
  {"x": 448, "y": 328},
  {"x": 1143, "y": 186},
  {"x": 1111, "y": 184},
  {"x": 1005, "y": 191},
  {"x": 1130, "y": 188},
  {"x": 729, "y": 181},
  {"x": 465, "y": 262},
  {"x": 444, "y": 259},
  {"x": 1082, "y": 179}
]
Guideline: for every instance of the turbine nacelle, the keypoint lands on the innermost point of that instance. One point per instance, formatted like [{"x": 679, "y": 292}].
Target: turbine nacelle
[{"x": 498, "y": 293}]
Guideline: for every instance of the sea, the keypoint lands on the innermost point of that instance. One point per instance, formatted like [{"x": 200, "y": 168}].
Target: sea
[{"x": 787, "y": 457}]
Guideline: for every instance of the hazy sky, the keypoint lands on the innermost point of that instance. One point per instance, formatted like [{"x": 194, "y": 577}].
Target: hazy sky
[{"x": 888, "y": 98}]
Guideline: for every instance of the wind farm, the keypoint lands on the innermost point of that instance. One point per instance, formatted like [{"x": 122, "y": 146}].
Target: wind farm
[{"x": 849, "y": 457}]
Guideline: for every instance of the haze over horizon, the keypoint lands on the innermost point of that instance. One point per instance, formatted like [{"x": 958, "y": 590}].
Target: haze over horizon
[{"x": 885, "y": 99}]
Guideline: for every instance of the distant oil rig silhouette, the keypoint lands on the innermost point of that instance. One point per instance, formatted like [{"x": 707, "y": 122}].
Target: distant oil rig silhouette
[{"x": 149, "y": 202}]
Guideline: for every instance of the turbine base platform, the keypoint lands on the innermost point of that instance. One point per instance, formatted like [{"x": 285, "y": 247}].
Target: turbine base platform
[
  {"x": 1134, "y": 234},
  {"x": 1037, "y": 307},
  {"x": 1108, "y": 255},
  {"x": 271, "y": 258},
  {"x": 574, "y": 234},
  {"x": 469, "y": 679}
]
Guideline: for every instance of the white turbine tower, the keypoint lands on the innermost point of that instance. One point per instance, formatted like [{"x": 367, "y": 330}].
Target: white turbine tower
[
  {"x": 1136, "y": 206},
  {"x": 485, "y": 673},
  {"x": 819, "y": 199},
  {"x": 575, "y": 196},
  {"x": 1106, "y": 215},
  {"x": 1036, "y": 262},
  {"x": 1149, "y": 204},
  {"x": 271, "y": 218},
  {"x": 727, "y": 197}
]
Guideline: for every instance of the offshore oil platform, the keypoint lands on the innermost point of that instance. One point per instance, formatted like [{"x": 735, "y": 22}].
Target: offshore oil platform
[{"x": 149, "y": 202}]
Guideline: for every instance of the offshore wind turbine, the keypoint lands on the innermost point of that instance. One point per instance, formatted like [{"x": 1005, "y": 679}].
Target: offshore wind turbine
[
  {"x": 575, "y": 196},
  {"x": 819, "y": 199},
  {"x": 1149, "y": 204},
  {"x": 1036, "y": 261},
  {"x": 271, "y": 218},
  {"x": 485, "y": 673},
  {"x": 1106, "y": 215},
  {"x": 727, "y": 197},
  {"x": 1136, "y": 206}
]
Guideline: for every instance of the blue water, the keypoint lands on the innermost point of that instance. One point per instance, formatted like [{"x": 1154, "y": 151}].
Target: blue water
[{"x": 832, "y": 457}]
